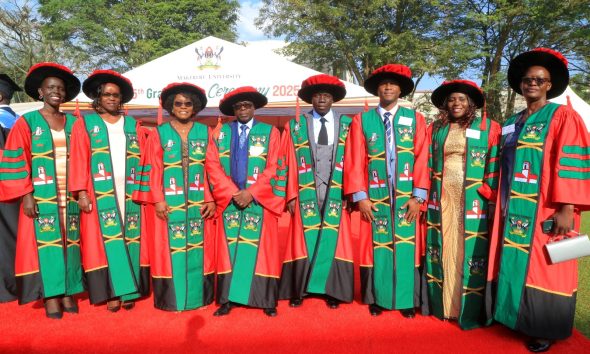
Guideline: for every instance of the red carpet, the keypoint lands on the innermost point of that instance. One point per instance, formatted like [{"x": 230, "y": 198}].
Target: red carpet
[{"x": 310, "y": 328}]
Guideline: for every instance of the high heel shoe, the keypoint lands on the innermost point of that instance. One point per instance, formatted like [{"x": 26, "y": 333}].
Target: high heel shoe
[
  {"x": 72, "y": 305},
  {"x": 55, "y": 315}
]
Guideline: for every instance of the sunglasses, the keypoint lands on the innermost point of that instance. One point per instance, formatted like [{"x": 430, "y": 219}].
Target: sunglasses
[
  {"x": 538, "y": 80},
  {"x": 183, "y": 104},
  {"x": 110, "y": 94},
  {"x": 246, "y": 105}
]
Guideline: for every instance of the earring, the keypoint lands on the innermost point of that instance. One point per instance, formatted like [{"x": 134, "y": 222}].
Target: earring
[{"x": 41, "y": 97}]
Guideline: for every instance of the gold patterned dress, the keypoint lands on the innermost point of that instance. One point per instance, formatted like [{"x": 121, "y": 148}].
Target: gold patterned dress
[
  {"x": 61, "y": 156},
  {"x": 452, "y": 220}
]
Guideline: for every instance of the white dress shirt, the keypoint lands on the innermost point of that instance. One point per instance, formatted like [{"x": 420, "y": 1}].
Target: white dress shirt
[{"x": 317, "y": 125}]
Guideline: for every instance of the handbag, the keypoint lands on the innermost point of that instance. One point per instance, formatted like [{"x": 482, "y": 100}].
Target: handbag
[{"x": 568, "y": 248}]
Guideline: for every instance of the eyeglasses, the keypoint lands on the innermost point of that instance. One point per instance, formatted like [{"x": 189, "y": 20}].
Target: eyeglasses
[
  {"x": 538, "y": 80},
  {"x": 183, "y": 104},
  {"x": 246, "y": 105},
  {"x": 110, "y": 94}
]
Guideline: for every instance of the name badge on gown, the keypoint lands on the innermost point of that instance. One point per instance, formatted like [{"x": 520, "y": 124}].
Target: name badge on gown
[
  {"x": 407, "y": 121},
  {"x": 508, "y": 129},
  {"x": 472, "y": 133}
]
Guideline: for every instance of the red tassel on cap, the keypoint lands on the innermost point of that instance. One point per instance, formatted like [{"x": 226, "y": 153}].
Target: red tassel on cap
[
  {"x": 297, "y": 110},
  {"x": 569, "y": 101},
  {"x": 77, "y": 110},
  {"x": 126, "y": 110},
  {"x": 366, "y": 104},
  {"x": 217, "y": 129},
  {"x": 483, "y": 124},
  {"x": 159, "y": 119}
]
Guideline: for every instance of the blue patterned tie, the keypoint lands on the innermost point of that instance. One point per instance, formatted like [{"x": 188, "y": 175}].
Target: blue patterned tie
[
  {"x": 243, "y": 136},
  {"x": 388, "y": 130}
]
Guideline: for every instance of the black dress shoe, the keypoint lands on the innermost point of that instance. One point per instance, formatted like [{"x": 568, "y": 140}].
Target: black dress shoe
[
  {"x": 128, "y": 305},
  {"x": 72, "y": 306},
  {"x": 113, "y": 305},
  {"x": 539, "y": 345},
  {"x": 295, "y": 302},
  {"x": 375, "y": 310},
  {"x": 332, "y": 303},
  {"x": 223, "y": 310},
  {"x": 53, "y": 313},
  {"x": 270, "y": 312},
  {"x": 408, "y": 313}
]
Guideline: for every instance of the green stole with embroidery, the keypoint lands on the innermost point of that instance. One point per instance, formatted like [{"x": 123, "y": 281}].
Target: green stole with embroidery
[
  {"x": 121, "y": 244},
  {"x": 185, "y": 224},
  {"x": 475, "y": 236},
  {"x": 243, "y": 227},
  {"x": 521, "y": 213},
  {"x": 321, "y": 234},
  {"x": 59, "y": 276},
  {"x": 394, "y": 238}
]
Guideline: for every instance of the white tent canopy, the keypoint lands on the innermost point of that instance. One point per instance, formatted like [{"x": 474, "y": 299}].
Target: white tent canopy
[
  {"x": 219, "y": 66},
  {"x": 578, "y": 104}
]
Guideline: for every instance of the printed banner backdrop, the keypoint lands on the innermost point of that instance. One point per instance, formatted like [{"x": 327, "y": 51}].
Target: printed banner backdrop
[{"x": 219, "y": 66}]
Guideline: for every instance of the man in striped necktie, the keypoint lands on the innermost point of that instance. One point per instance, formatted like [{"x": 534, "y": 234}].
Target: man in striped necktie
[{"x": 387, "y": 176}]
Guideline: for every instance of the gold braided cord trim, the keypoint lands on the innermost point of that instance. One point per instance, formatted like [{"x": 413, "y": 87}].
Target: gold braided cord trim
[
  {"x": 385, "y": 245},
  {"x": 366, "y": 265},
  {"x": 195, "y": 204},
  {"x": 267, "y": 275},
  {"x": 224, "y": 154},
  {"x": 328, "y": 226},
  {"x": 132, "y": 238},
  {"x": 71, "y": 243},
  {"x": 401, "y": 150},
  {"x": 432, "y": 225},
  {"x": 97, "y": 268},
  {"x": 231, "y": 240},
  {"x": 309, "y": 185},
  {"x": 102, "y": 149},
  {"x": 27, "y": 273},
  {"x": 405, "y": 239},
  {"x": 50, "y": 200},
  {"x": 311, "y": 227},
  {"x": 474, "y": 291},
  {"x": 400, "y": 194},
  {"x": 131, "y": 154},
  {"x": 113, "y": 238},
  {"x": 162, "y": 276},
  {"x": 475, "y": 182},
  {"x": 108, "y": 193},
  {"x": 177, "y": 250},
  {"x": 379, "y": 156},
  {"x": 294, "y": 259},
  {"x": 300, "y": 145},
  {"x": 195, "y": 246},
  {"x": 525, "y": 145},
  {"x": 344, "y": 259},
  {"x": 437, "y": 175},
  {"x": 433, "y": 279},
  {"x": 45, "y": 154},
  {"x": 482, "y": 235},
  {"x": 224, "y": 272},
  {"x": 199, "y": 161},
  {"x": 209, "y": 273},
  {"x": 551, "y": 291},
  {"x": 128, "y": 242},
  {"x": 177, "y": 208},
  {"x": 527, "y": 197},
  {"x": 336, "y": 185},
  {"x": 261, "y": 156},
  {"x": 54, "y": 243},
  {"x": 246, "y": 241},
  {"x": 518, "y": 246}
]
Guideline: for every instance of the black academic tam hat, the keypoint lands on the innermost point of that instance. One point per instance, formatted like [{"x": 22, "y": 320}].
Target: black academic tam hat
[{"x": 8, "y": 86}]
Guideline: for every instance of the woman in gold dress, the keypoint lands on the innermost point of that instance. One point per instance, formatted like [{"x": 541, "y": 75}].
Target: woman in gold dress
[{"x": 464, "y": 170}]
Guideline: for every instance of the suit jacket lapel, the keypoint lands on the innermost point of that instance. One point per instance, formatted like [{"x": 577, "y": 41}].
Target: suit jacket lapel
[
  {"x": 311, "y": 135},
  {"x": 336, "y": 138}
]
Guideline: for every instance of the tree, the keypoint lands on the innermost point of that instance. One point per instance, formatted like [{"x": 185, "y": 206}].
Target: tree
[
  {"x": 22, "y": 43},
  {"x": 498, "y": 30},
  {"x": 122, "y": 34},
  {"x": 359, "y": 35}
]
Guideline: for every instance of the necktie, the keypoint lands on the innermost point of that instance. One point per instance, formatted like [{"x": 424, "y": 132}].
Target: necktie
[
  {"x": 243, "y": 136},
  {"x": 323, "y": 137},
  {"x": 388, "y": 130}
]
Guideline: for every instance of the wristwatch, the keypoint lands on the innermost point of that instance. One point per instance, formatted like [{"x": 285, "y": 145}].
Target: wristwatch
[{"x": 419, "y": 200}]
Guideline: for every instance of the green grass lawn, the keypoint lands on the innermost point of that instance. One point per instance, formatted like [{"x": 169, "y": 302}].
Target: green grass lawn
[{"x": 583, "y": 303}]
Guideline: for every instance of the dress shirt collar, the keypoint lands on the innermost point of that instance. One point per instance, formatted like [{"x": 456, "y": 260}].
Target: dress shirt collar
[
  {"x": 393, "y": 110},
  {"x": 249, "y": 125},
  {"x": 329, "y": 116}
]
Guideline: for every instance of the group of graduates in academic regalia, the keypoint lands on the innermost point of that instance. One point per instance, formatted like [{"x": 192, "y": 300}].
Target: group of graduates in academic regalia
[{"x": 450, "y": 214}]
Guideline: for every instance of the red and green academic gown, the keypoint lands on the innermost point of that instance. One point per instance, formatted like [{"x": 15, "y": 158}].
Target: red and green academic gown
[
  {"x": 481, "y": 167},
  {"x": 181, "y": 249},
  {"x": 551, "y": 167},
  {"x": 319, "y": 254},
  {"x": 247, "y": 242},
  {"x": 47, "y": 261},
  {"x": 114, "y": 256},
  {"x": 390, "y": 246}
]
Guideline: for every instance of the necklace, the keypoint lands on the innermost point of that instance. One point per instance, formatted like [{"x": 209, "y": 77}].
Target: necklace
[{"x": 181, "y": 130}]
